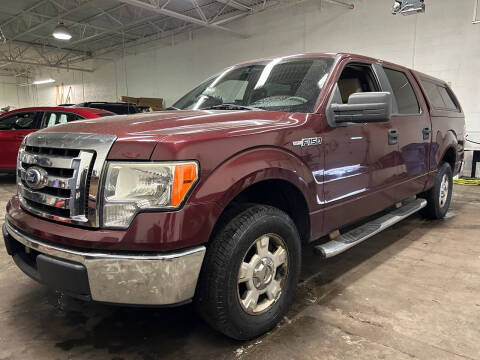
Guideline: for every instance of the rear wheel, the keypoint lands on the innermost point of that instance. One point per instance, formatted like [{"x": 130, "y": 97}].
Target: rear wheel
[
  {"x": 250, "y": 272},
  {"x": 440, "y": 195}
]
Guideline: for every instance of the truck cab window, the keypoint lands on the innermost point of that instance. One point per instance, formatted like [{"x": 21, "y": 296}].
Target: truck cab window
[
  {"x": 356, "y": 78},
  {"x": 403, "y": 92}
]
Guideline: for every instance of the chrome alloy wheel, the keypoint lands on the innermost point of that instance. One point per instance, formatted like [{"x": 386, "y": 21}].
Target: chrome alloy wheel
[
  {"x": 444, "y": 189},
  {"x": 262, "y": 274}
]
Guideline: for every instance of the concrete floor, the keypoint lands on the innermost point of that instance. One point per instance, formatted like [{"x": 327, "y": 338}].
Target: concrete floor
[{"x": 412, "y": 291}]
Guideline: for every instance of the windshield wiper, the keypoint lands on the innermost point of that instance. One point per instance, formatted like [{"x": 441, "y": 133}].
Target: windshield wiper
[
  {"x": 172, "y": 108},
  {"x": 230, "y": 107}
]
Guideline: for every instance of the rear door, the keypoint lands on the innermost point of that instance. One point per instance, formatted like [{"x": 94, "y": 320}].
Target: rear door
[
  {"x": 411, "y": 119},
  {"x": 13, "y": 129}
]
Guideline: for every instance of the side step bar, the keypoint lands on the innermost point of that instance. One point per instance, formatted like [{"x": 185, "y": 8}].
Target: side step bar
[{"x": 365, "y": 231}]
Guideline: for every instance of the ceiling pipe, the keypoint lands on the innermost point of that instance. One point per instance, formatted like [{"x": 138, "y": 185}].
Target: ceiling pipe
[{"x": 341, "y": 3}]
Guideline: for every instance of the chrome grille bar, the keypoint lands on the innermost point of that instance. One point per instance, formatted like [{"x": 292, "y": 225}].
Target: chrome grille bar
[
  {"x": 71, "y": 167},
  {"x": 47, "y": 160},
  {"x": 45, "y": 199}
]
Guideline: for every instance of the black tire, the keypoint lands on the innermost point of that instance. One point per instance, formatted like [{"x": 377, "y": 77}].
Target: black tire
[
  {"x": 218, "y": 293},
  {"x": 436, "y": 208}
]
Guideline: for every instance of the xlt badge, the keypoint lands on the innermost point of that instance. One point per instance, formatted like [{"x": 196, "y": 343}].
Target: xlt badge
[{"x": 308, "y": 142}]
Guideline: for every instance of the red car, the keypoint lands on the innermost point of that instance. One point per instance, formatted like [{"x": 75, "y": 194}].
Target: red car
[{"x": 16, "y": 124}]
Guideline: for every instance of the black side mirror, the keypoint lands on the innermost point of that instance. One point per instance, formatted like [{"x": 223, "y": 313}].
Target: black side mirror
[{"x": 364, "y": 107}]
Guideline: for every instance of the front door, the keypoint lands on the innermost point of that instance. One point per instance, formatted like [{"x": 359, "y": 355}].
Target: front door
[{"x": 13, "y": 129}]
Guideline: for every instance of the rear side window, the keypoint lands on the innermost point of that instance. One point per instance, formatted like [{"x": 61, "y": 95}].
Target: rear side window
[
  {"x": 439, "y": 96},
  {"x": 52, "y": 119},
  {"x": 403, "y": 91},
  {"x": 447, "y": 98},
  {"x": 433, "y": 94}
]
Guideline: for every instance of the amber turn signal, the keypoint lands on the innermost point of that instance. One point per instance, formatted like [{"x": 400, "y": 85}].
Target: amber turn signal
[{"x": 185, "y": 177}]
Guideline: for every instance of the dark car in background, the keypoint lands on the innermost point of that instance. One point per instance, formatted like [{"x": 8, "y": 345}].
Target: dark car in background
[
  {"x": 120, "y": 108},
  {"x": 16, "y": 124}
]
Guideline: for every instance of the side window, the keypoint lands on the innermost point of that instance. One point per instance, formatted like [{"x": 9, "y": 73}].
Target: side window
[
  {"x": 20, "y": 121},
  {"x": 403, "y": 91},
  {"x": 433, "y": 94},
  {"x": 356, "y": 78},
  {"x": 51, "y": 119},
  {"x": 439, "y": 96},
  {"x": 447, "y": 98}
]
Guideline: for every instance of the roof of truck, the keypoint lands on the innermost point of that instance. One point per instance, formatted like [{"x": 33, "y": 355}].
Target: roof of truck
[{"x": 343, "y": 55}]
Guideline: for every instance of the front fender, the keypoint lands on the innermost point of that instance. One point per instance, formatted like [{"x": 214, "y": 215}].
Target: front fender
[{"x": 249, "y": 167}]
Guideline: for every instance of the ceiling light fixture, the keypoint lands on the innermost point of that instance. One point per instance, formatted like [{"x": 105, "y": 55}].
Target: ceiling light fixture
[
  {"x": 46, "y": 81},
  {"x": 61, "y": 32}
]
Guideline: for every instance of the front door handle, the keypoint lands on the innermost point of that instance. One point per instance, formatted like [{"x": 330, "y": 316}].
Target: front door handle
[
  {"x": 392, "y": 137},
  {"x": 426, "y": 133}
]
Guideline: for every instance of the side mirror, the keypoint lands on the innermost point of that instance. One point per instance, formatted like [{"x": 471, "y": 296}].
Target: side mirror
[{"x": 364, "y": 107}]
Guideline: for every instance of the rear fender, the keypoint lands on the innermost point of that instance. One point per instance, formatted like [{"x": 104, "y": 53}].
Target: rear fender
[{"x": 443, "y": 144}]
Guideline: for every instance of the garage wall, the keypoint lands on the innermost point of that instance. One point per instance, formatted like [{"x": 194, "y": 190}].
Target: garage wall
[
  {"x": 442, "y": 42},
  {"x": 13, "y": 95}
]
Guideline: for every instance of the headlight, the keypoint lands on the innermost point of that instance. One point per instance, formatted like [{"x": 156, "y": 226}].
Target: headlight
[{"x": 134, "y": 186}]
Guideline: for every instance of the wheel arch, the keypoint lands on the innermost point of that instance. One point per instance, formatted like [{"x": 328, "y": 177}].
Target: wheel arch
[
  {"x": 267, "y": 176},
  {"x": 449, "y": 156},
  {"x": 447, "y": 150}
]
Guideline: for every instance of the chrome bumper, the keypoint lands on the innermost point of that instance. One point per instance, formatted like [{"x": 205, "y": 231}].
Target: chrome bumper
[{"x": 130, "y": 279}]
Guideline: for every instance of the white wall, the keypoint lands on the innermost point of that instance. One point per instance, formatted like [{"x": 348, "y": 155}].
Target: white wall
[{"x": 442, "y": 42}]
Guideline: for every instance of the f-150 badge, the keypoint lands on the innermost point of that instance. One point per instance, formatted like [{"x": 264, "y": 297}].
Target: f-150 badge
[{"x": 308, "y": 142}]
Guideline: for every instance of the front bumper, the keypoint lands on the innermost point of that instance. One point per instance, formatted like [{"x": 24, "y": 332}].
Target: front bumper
[{"x": 123, "y": 278}]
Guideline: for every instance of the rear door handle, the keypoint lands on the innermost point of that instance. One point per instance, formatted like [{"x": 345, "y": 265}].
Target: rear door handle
[
  {"x": 426, "y": 133},
  {"x": 392, "y": 136}
]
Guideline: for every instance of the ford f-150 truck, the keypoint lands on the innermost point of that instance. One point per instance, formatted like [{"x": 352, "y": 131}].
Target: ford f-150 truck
[{"x": 212, "y": 201}]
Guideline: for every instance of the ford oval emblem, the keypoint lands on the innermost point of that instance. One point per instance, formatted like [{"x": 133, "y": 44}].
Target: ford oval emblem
[{"x": 36, "y": 178}]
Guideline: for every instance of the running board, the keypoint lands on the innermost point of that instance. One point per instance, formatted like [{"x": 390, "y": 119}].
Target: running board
[{"x": 365, "y": 231}]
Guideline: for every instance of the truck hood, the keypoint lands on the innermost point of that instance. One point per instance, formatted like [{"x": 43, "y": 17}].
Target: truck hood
[
  {"x": 139, "y": 133},
  {"x": 157, "y": 125}
]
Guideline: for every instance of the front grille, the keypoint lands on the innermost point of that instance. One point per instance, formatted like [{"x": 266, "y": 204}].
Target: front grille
[
  {"x": 69, "y": 166},
  {"x": 65, "y": 178},
  {"x": 63, "y": 213},
  {"x": 52, "y": 151}
]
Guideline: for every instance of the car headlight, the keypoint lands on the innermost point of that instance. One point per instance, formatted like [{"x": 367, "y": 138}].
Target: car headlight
[{"x": 131, "y": 187}]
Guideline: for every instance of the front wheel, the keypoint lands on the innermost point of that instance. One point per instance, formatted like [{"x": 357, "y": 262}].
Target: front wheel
[
  {"x": 439, "y": 196},
  {"x": 250, "y": 273}
]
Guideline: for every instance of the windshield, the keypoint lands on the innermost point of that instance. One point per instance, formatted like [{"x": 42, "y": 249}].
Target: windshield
[{"x": 282, "y": 84}]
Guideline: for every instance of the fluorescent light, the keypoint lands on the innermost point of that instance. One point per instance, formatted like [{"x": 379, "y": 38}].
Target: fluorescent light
[
  {"x": 46, "y": 81},
  {"x": 61, "y": 32}
]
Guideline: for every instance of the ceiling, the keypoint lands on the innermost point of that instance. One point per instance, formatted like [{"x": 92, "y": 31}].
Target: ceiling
[{"x": 102, "y": 26}]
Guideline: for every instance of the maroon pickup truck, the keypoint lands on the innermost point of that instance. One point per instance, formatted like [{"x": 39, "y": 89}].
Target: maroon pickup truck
[{"x": 212, "y": 200}]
